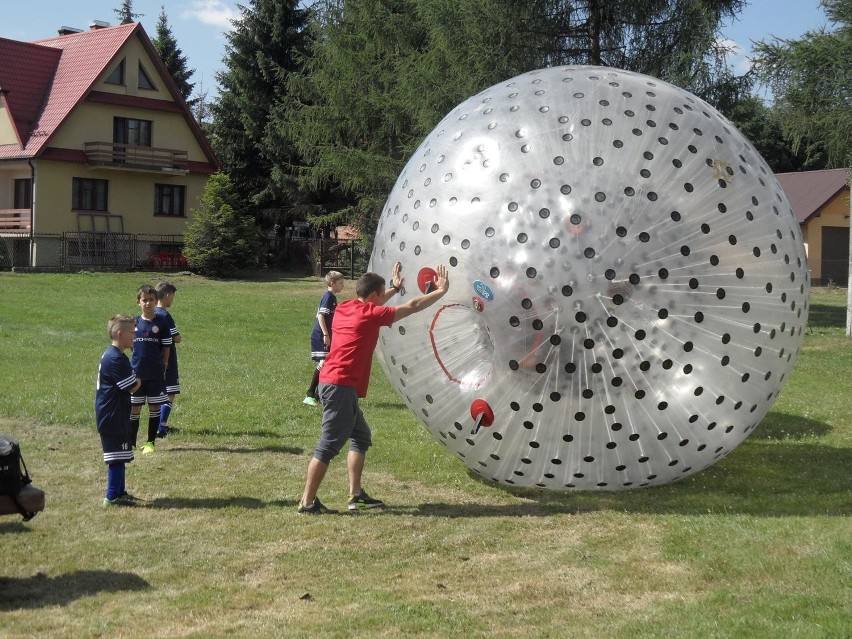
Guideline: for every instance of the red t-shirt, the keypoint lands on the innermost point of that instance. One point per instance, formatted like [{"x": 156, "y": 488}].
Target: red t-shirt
[{"x": 354, "y": 336}]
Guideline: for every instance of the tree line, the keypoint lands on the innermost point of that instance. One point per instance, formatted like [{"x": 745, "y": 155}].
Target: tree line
[{"x": 322, "y": 103}]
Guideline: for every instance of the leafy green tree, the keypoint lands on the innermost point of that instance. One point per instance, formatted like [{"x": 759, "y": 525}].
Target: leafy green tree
[
  {"x": 220, "y": 238},
  {"x": 761, "y": 124},
  {"x": 125, "y": 12},
  {"x": 811, "y": 79},
  {"x": 382, "y": 73},
  {"x": 173, "y": 57},
  {"x": 265, "y": 46}
]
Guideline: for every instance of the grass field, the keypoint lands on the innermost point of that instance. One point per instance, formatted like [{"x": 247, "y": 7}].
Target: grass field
[{"x": 758, "y": 545}]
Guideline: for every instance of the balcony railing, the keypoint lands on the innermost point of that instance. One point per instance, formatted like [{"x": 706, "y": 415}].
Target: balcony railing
[
  {"x": 14, "y": 220},
  {"x": 136, "y": 158}
]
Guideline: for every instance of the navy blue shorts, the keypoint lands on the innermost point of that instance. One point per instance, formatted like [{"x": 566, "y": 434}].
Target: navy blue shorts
[
  {"x": 116, "y": 444},
  {"x": 152, "y": 391},
  {"x": 342, "y": 419}
]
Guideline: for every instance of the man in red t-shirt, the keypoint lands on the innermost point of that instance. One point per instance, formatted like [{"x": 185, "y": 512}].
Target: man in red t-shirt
[{"x": 346, "y": 374}]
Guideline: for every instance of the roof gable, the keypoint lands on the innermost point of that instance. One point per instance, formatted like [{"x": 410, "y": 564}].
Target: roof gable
[
  {"x": 26, "y": 75},
  {"x": 809, "y": 191},
  {"x": 80, "y": 60}
]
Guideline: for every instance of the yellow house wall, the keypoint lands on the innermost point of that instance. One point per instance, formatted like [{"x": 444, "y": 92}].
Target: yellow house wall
[
  {"x": 7, "y": 127},
  {"x": 92, "y": 122},
  {"x": 130, "y": 195},
  {"x": 834, "y": 213},
  {"x": 134, "y": 53}
]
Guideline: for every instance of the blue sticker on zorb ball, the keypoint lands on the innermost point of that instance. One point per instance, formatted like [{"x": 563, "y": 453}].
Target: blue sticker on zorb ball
[{"x": 482, "y": 289}]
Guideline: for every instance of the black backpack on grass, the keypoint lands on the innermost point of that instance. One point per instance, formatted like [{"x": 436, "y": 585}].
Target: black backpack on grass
[{"x": 13, "y": 473}]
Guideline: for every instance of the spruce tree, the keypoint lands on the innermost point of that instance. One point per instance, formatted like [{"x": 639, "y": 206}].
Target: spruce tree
[
  {"x": 264, "y": 47},
  {"x": 173, "y": 57},
  {"x": 125, "y": 13}
]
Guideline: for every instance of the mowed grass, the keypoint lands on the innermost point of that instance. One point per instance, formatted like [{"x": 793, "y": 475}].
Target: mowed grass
[{"x": 758, "y": 545}]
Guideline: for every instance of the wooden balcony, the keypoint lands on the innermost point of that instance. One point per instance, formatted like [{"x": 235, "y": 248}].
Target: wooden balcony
[
  {"x": 128, "y": 157},
  {"x": 14, "y": 220}
]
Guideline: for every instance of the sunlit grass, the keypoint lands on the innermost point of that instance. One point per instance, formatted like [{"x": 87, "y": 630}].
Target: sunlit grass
[{"x": 757, "y": 545}]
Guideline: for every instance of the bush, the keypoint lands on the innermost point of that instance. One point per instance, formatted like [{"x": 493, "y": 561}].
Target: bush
[{"x": 221, "y": 238}]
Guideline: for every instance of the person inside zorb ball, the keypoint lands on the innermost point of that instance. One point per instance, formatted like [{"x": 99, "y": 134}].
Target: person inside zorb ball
[{"x": 629, "y": 290}]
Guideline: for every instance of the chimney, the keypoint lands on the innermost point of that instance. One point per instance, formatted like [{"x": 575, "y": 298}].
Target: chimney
[
  {"x": 98, "y": 24},
  {"x": 68, "y": 30}
]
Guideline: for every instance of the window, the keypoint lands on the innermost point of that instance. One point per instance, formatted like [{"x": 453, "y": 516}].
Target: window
[
  {"x": 23, "y": 194},
  {"x": 131, "y": 131},
  {"x": 145, "y": 81},
  {"x": 89, "y": 195},
  {"x": 117, "y": 75},
  {"x": 169, "y": 199}
]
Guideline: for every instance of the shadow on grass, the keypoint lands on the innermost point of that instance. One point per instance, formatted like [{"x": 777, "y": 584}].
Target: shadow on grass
[
  {"x": 761, "y": 477},
  {"x": 14, "y": 527},
  {"x": 784, "y": 426},
  {"x": 206, "y": 432},
  {"x": 290, "y": 450},
  {"x": 250, "y": 503},
  {"x": 826, "y": 316},
  {"x": 40, "y": 591}
]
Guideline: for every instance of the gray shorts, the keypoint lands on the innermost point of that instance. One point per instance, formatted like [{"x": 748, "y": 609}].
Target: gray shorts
[{"x": 342, "y": 419}]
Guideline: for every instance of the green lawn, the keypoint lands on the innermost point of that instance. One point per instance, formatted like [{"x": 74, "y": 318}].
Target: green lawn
[{"x": 758, "y": 545}]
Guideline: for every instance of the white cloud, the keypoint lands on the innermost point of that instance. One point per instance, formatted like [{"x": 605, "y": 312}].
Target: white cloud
[{"x": 214, "y": 12}]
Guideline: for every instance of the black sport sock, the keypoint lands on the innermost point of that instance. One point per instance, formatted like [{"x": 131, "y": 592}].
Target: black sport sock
[
  {"x": 312, "y": 390},
  {"x": 153, "y": 423}
]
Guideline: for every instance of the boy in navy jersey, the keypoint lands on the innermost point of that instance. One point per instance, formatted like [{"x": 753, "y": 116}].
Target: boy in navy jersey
[
  {"x": 321, "y": 333},
  {"x": 151, "y": 345},
  {"x": 165, "y": 296},
  {"x": 116, "y": 381}
]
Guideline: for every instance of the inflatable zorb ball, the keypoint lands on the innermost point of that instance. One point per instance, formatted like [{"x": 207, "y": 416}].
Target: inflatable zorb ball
[{"x": 628, "y": 282}]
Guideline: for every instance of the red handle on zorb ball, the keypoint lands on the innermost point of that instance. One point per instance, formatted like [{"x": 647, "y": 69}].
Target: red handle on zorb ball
[
  {"x": 426, "y": 279},
  {"x": 481, "y": 413}
]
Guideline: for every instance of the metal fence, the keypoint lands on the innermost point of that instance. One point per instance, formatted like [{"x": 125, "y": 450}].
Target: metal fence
[{"x": 91, "y": 251}]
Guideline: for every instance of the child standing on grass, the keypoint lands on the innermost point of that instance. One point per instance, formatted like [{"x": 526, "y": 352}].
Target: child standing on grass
[
  {"x": 165, "y": 297},
  {"x": 116, "y": 381},
  {"x": 151, "y": 346},
  {"x": 321, "y": 333}
]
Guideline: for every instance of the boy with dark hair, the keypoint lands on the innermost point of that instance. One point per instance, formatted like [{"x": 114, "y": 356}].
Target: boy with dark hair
[
  {"x": 345, "y": 376},
  {"x": 321, "y": 333},
  {"x": 165, "y": 297},
  {"x": 151, "y": 346},
  {"x": 116, "y": 381}
]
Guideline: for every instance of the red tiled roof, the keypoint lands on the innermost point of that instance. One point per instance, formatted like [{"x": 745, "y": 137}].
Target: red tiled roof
[
  {"x": 82, "y": 58},
  {"x": 25, "y": 76},
  {"x": 809, "y": 191},
  {"x": 79, "y": 59}
]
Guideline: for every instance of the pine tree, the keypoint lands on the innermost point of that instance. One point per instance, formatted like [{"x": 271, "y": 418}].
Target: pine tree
[
  {"x": 264, "y": 48},
  {"x": 173, "y": 57},
  {"x": 125, "y": 12}
]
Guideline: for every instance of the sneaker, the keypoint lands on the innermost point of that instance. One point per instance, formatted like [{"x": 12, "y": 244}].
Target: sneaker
[
  {"x": 357, "y": 502},
  {"x": 310, "y": 401},
  {"x": 122, "y": 500},
  {"x": 148, "y": 448},
  {"x": 316, "y": 508},
  {"x": 163, "y": 432}
]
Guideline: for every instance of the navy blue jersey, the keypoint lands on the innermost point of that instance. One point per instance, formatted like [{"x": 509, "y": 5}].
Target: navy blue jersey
[
  {"x": 173, "y": 331},
  {"x": 327, "y": 306},
  {"x": 112, "y": 393},
  {"x": 151, "y": 337}
]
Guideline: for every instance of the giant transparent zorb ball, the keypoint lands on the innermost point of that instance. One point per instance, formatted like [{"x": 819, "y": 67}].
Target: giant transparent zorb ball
[{"x": 628, "y": 282}]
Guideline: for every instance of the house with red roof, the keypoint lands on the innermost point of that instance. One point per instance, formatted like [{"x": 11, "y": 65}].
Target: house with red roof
[
  {"x": 820, "y": 200},
  {"x": 101, "y": 160}
]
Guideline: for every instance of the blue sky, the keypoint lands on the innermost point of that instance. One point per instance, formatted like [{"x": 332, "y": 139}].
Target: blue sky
[{"x": 199, "y": 25}]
